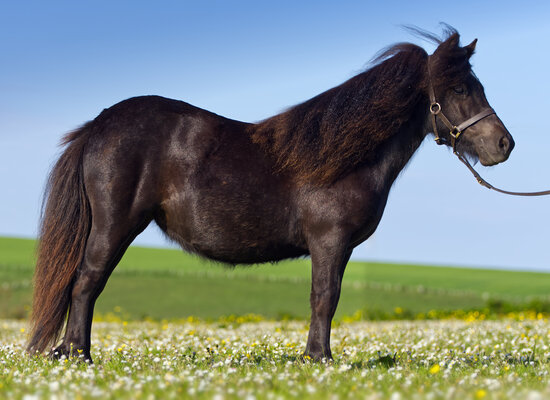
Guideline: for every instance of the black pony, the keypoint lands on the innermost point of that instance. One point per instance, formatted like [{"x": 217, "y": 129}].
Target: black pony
[{"x": 313, "y": 180}]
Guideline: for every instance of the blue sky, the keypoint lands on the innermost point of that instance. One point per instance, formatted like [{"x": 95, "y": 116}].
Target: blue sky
[{"x": 61, "y": 63}]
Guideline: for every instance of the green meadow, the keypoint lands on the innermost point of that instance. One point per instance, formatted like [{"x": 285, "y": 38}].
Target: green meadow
[
  {"x": 170, "y": 284},
  {"x": 145, "y": 345}
]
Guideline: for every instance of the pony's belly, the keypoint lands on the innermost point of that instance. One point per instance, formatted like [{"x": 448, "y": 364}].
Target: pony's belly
[
  {"x": 233, "y": 231},
  {"x": 249, "y": 255},
  {"x": 232, "y": 248}
]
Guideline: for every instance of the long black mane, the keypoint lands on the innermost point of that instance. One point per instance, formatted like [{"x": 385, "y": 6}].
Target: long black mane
[{"x": 333, "y": 133}]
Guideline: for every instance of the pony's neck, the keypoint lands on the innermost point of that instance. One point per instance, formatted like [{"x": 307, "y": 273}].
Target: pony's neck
[
  {"x": 348, "y": 126},
  {"x": 396, "y": 153}
]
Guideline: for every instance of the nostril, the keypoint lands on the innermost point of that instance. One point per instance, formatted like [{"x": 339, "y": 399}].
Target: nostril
[{"x": 504, "y": 144}]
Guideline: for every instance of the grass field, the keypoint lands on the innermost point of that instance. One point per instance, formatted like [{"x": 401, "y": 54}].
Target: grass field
[
  {"x": 168, "y": 283},
  {"x": 262, "y": 360},
  {"x": 171, "y": 355}
]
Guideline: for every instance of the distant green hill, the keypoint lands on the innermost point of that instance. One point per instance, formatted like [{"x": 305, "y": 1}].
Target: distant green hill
[{"x": 168, "y": 283}]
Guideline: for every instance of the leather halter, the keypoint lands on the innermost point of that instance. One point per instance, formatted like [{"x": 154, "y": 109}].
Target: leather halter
[{"x": 456, "y": 130}]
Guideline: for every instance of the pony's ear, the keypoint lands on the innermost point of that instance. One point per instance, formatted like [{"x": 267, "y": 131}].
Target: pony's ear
[
  {"x": 449, "y": 46},
  {"x": 452, "y": 41},
  {"x": 470, "y": 48}
]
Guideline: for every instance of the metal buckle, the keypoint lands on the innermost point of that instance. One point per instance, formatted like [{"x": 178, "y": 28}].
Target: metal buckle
[{"x": 455, "y": 133}]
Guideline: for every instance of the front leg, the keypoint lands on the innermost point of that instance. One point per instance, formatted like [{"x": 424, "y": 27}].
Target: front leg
[{"x": 329, "y": 257}]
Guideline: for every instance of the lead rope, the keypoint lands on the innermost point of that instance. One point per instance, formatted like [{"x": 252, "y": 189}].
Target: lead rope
[
  {"x": 455, "y": 132},
  {"x": 483, "y": 182}
]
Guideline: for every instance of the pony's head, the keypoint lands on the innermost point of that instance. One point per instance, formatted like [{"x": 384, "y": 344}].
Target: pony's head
[{"x": 458, "y": 101}]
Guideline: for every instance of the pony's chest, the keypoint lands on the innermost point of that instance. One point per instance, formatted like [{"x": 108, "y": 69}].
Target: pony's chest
[{"x": 353, "y": 207}]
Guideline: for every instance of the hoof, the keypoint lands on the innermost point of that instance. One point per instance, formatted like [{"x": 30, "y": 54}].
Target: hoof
[
  {"x": 317, "y": 356},
  {"x": 75, "y": 352}
]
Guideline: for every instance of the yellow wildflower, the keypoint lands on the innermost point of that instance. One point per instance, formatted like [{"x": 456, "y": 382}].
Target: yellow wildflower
[
  {"x": 481, "y": 394},
  {"x": 435, "y": 369}
]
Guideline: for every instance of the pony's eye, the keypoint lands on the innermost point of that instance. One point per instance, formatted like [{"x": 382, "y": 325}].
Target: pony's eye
[{"x": 460, "y": 89}]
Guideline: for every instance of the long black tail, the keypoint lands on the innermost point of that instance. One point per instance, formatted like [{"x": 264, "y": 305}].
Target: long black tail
[{"x": 64, "y": 230}]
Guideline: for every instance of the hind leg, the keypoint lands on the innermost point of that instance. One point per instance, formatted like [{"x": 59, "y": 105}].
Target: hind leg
[{"x": 108, "y": 240}]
